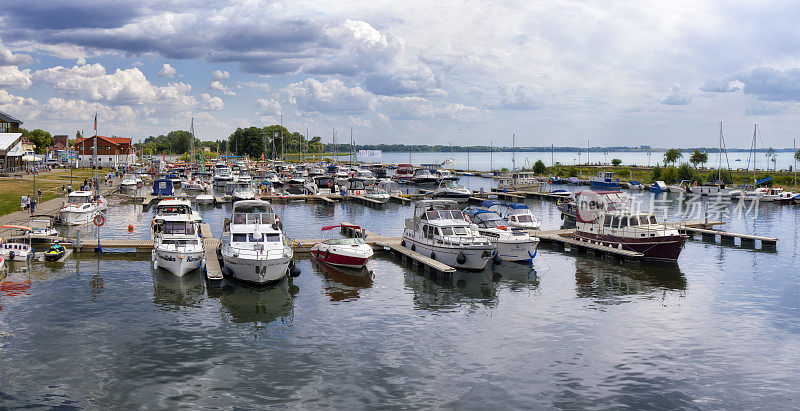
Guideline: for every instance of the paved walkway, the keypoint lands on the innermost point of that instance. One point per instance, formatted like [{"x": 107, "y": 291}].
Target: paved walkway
[{"x": 49, "y": 207}]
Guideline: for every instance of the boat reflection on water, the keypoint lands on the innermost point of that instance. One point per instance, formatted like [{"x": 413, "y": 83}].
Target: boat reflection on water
[
  {"x": 244, "y": 303},
  {"x": 343, "y": 284},
  {"x": 448, "y": 292},
  {"x": 606, "y": 282},
  {"x": 171, "y": 291},
  {"x": 517, "y": 276}
]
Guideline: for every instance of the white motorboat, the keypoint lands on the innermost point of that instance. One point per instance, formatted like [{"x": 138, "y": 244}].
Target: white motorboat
[
  {"x": 177, "y": 246},
  {"x": 175, "y": 207},
  {"x": 378, "y": 194},
  {"x": 243, "y": 190},
  {"x": 326, "y": 186},
  {"x": 356, "y": 187},
  {"x": 423, "y": 176},
  {"x": 366, "y": 176},
  {"x": 222, "y": 175},
  {"x": 764, "y": 194},
  {"x": 512, "y": 244},
  {"x": 516, "y": 214},
  {"x": 80, "y": 208},
  {"x": 195, "y": 186},
  {"x": 129, "y": 182},
  {"x": 254, "y": 248},
  {"x": 449, "y": 189},
  {"x": 204, "y": 199},
  {"x": 343, "y": 252},
  {"x": 438, "y": 230},
  {"x": 18, "y": 249}
]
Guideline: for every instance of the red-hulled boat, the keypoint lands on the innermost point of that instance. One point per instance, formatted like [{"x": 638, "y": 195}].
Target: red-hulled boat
[
  {"x": 601, "y": 218},
  {"x": 344, "y": 252}
]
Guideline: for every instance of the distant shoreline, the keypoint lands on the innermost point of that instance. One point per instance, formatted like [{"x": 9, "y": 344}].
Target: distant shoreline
[{"x": 485, "y": 149}]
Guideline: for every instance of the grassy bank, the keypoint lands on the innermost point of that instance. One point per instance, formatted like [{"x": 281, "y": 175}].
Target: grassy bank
[{"x": 12, "y": 190}]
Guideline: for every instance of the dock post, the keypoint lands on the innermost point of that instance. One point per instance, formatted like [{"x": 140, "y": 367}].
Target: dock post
[{"x": 748, "y": 242}]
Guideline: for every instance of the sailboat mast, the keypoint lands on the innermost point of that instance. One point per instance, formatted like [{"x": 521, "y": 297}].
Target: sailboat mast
[
  {"x": 719, "y": 153},
  {"x": 755, "y": 129},
  {"x": 513, "y": 152}
]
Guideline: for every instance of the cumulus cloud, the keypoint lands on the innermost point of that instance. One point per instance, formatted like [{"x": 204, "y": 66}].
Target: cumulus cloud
[
  {"x": 220, "y": 75},
  {"x": 12, "y": 76},
  {"x": 677, "y": 97},
  {"x": 269, "y": 107},
  {"x": 217, "y": 85},
  {"x": 519, "y": 97},
  {"x": 7, "y": 58},
  {"x": 209, "y": 102},
  {"x": 167, "y": 71},
  {"x": 332, "y": 96}
]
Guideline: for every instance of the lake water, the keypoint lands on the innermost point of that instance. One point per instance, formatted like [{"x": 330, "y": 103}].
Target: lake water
[{"x": 719, "y": 329}]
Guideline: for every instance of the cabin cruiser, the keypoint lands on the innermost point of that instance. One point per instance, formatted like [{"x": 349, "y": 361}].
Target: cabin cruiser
[
  {"x": 254, "y": 248},
  {"x": 222, "y": 175},
  {"x": 511, "y": 244},
  {"x": 18, "y": 249},
  {"x": 444, "y": 175},
  {"x": 390, "y": 187},
  {"x": 326, "y": 186},
  {"x": 404, "y": 172},
  {"x": 521, "y": 180},
  {"x": 366, "y": 176},
  {"x": 377, "y": 194},
  {"x": 765, "y": 194},
  {"x": 81, "y": 207},
  {"x": 516, "y": 214},
  {"x": 602, "y": 219},
  {"x": 356, "y": 187},
  {"x": 194, "y": 186},
  {"x": 604, "y": 181},
  {"x": 294, "y": 187},
  {"x": 423, "y": 176},
  {"x": 711, "y": 189},
  {"x": 449, "y": 189},
  {"x": 438, "y": 230},
  {"x": 177, "y": 246},
  {"x": 243, "y": 190},
  {"x": 129, "y": 182}
]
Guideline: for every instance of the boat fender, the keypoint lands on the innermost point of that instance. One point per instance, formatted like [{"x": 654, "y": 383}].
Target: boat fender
[
  {"x": 412, "y": 247},
  {"x": 496, "y": 259},
  {"x": 461, "y": 258},
  {"x": 11, "y": 255},
  {"x": 433, "y": 255},
  {"x": 403, "y": 243},
  {"x": 294, "y": 271},
  {"x": 327, "y": 253}
]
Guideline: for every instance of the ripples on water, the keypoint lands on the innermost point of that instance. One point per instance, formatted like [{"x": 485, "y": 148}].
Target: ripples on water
[{"x": 717, "y": 330}]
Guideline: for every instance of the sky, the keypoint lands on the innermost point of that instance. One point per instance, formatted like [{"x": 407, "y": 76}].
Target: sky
[{"x": 660, "y": 73}]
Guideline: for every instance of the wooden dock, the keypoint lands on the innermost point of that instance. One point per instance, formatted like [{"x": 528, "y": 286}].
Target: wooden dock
[
  {"x": 400, "y": 199},
  {"x": 527, "y": 193},
  {"x": 565, "y": 238},
  {"x": 326, "y": 199},
  {"x": 364, "y": 200},
  {"x": 730, "y": 238}
]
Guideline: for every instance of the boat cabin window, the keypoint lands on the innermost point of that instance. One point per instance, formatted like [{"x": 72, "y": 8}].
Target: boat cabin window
[
  {"x": 643, "y": 220},
  {"x": 460, "y": 230},
  {"x": 447, "y": 231},
  {"x": 432, "y": 215},
  {"x": 79, "y": 199},
  {"x": 653, "y": 220},
  {"x": 615, "y": 222},
  {"x": 181, "y": 243},
  {"x": 607, "y": 221},
  {"x": 524, "y": 218},
  {"x": 239, "y": 238},
  {"x": 623, "y": 222}
]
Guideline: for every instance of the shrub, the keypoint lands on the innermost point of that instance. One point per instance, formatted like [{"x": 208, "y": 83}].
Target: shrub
[
  {"x": 616, "y": 162},
  {"x": 655, "y": 174},
  {"x": 573, "y": 171},
  {"x": 686, "y": 172},
  {"x": 670, "y": 174},
  {"x": 539, "y": 167}
]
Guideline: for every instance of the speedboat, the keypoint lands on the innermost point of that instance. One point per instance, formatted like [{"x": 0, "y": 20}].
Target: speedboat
[
  {"x": 449, "y": 189},
  {"x": 438, "y": 230},
  {"x": 80, "y": 208},
  {"x": 254, "y": 247},
  {"x": 326, "y": 186},
  {"x": 177, "y": 246},
  {"x": 378, "y": 194},
  {"x": 516, "y": 214},
  {"x": 129, "y": 182},
  {"x": 512, "y": 244},
  {"x": 19, "y": 249},
  {"x": 356, "y": 187},
  {"x": 423, "y": 176},
  {"x": 635, "y": 185},
  {"x": 601, "y": 219},
  {"x": 343, "y": 252},
  {"x": 243, "y": 190},
  {"x": 659, "y": 187}
]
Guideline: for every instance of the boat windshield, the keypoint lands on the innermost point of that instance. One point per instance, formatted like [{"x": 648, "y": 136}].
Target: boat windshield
[
  {"x": 444, "y": 215},
  {"x": 173, "y": 209},
  {"x": 178, "y": 227},
  {"x": 253, "y": 218},
  {"x": 256, "y": 238},
  {"x": 345, "y": 241},
  {"x": 524, "y": 218},
  {"x": 488, "y": 220},
  {"x": 79, "y": 199}
]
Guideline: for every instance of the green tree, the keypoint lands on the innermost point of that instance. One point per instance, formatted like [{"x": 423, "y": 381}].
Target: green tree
[
  {"x": 797, "y": 155},
  {"x": 42, "y": 139},
  {"x": 687, "y": 173},
  {"x": 248, "y": 141},
  {"x": 616, "y": 162},
  {"x": 539, "y": 167},
  {"x": 698, "y": 158},
  {"x": 669, "y": 175},
  {"x": 672, "y": 155},
  {"x": 78, "y": 135},
  {"x": 655, "y": 174}
]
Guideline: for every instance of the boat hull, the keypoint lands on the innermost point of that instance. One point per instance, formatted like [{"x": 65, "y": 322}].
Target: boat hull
[
  {"x": 476, "y": 257},
  {"x": 76, "y": 217},
  {"x": 179, "y": 263},
  {"x": 516, "y": 250},
  {"x": 662, "y": 248},
  {"x": 257, "y": 271}
]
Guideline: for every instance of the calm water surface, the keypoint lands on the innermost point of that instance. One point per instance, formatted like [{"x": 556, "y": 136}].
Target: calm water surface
[{"x": 719, "y": 329}]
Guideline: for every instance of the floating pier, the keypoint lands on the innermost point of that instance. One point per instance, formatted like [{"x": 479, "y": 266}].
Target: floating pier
[
  {"x": 726, "y": 237},
  {"x": 364, "y": 200}
]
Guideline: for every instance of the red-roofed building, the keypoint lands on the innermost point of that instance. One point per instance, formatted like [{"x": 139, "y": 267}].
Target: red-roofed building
[{"x": 111, "y": 151}]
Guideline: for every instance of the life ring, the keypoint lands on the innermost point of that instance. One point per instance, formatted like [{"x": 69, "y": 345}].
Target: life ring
[
  {"x": 99, "y": 220},
  {"x": 330, "y": 183}
]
